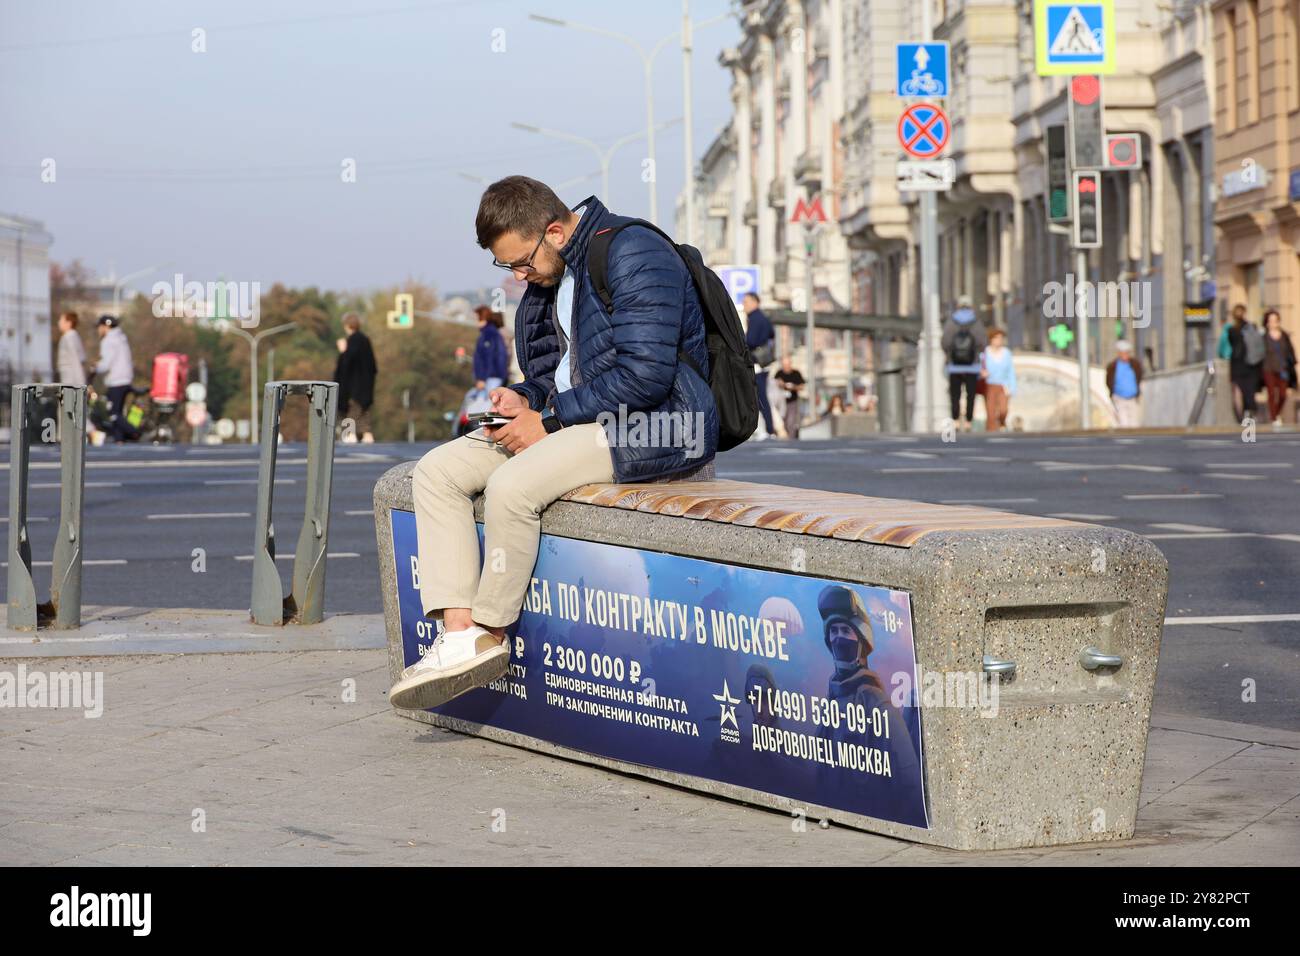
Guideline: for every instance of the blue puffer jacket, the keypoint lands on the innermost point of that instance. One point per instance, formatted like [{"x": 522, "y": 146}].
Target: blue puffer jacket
[{"x": 627, "y": 359}]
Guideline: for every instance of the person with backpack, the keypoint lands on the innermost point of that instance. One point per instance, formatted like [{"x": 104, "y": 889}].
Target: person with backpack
[
  {"x": 1279, "y": 365},
  {"x": 964, "y": 339},
  {"x": 616, "y": 321},
  {"x": 760, "y": 337},
  {"x": 1243, "y": 345}
]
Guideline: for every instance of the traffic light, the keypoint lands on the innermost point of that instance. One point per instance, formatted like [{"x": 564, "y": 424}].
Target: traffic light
[
  {"x": 1087, "y": 127},
  {"x": 1123, "y": 150},
  {"x": 1087, "y": 209},
  {"x": 1058, "y": 176},
  {"x": 403, "y": 317}
]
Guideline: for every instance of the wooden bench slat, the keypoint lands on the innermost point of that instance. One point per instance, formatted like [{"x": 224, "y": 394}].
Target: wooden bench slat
[{"x": 827, "y": 514}]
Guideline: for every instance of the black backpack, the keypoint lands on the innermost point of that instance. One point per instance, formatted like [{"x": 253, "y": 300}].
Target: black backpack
[
  {"x": 731, "y": 372},
  {"x": 963, "y": 346}
]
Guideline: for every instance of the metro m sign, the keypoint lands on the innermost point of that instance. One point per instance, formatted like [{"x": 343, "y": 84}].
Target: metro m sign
[{"x": 808, "y": 212}]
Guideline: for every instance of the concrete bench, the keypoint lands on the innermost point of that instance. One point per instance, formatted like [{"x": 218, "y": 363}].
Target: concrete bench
[{"x": 683, "y": 632}]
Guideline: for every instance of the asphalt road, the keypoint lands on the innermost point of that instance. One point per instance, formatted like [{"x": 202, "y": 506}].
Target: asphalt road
[{"x": 1226, "y": 513}]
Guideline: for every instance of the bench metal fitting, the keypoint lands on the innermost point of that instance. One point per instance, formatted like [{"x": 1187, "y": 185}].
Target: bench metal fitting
[{"x": 1091, "y": 659}]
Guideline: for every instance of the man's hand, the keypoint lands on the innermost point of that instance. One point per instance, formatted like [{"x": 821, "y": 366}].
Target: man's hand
[
  {"x": 507, "y": 402},
  {"x": 525, "y": 430}
]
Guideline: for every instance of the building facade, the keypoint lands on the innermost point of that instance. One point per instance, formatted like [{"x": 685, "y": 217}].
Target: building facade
[
  {"x": 815, "y": 112},
  {"x": 24, "y": 301},
  {"x": 1257, "y": 156}
]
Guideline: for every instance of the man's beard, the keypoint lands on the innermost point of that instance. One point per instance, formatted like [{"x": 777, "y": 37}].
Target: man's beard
[{"x": 551, "y": 273}]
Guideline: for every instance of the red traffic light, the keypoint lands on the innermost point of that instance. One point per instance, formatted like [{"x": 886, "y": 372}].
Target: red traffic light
[
  {"x": 1087, "y": 185},
  {"x": 1085, "y": 89},
  {"x": 1122, "y": 151}
]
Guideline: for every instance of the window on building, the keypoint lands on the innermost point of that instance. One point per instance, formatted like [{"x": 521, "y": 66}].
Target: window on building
[
  {"x": 1229, "y": 15},
  {"x": 1252, "y": 62},
  {"x": 1292, "y": 52},
  {"x": 1252, "y": 289}
]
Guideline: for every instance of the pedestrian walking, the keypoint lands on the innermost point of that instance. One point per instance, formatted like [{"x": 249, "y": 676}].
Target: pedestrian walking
[
  {"x": 491, "y": 357},
  {"x": 1279, "y": 365},
  {"x": 1243, "y": 345},
  {"x": 962, "y": 342},
  {"x": 999, "y": 377},
  {"x": 1124, "y": 381},
  {"x": 791, "y": 379},
  {"x": 760, "y": 338},
  {"x": 355, "y": 374},
  {"x": 116, "y": 366},
  {"x": 71, "y": 359}
]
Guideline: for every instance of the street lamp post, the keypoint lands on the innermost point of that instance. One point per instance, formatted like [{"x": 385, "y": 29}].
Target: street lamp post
[
  {"x": 647, "y": 61},
  {"x": 120, "y": 283},
  {"x": 606, "y": 156},
  {"x": 253, "y": 342}
]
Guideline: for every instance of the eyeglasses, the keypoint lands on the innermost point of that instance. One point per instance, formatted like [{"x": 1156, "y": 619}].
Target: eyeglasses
[{"x": 527, "y": 264}]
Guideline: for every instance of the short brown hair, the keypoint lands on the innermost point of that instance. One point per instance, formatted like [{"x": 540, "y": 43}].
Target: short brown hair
[
  {"x": 517, "y": 204},
  {"x": 72, "y": 319},
  {"x": 352, "y": 321}
]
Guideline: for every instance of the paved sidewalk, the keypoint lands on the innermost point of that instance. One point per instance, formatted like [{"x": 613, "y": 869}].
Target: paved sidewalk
[{"x": 264, "y": 749}]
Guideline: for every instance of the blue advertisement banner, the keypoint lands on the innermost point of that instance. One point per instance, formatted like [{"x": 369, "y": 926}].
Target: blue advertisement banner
[{"x": 779, "y": 682}]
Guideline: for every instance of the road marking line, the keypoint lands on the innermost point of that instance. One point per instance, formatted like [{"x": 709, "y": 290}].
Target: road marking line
[
  {"x": 50, "y": 564},
  {"x": 247, "y": 481},
  {"x": 987, "y": 501},
  {"x": 1078, "y": 466},
  {"x": 736, "y": 474},
  {"x": 88, "y": 484},
  {"x": 985, "y": 458},
  {"x": 193, "y": 515},
  {"x": 918, "y": 471},
  {"x": 1247, "y": 464},
  {"x": 1183, "y": 497},
  {"x": 1204, "y": 534},
  {"x": 1234, "y": 619},
  {"x": 913, "y": 454},
  {"x": 290, "y": 557},
  {"x": 1219, "y": 474},
  {"x": 1175, "y": 526}
]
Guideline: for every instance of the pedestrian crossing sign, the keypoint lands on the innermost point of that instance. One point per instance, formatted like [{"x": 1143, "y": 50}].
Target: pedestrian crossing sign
[{"x": 1073, "y": 37}]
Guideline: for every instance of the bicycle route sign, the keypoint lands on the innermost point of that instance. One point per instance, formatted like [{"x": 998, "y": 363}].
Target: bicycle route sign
[
  {"x": 922, "y": 69},
  {"x": 923, "y": 130}
]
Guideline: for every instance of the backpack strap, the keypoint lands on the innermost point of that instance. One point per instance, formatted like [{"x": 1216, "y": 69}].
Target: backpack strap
[{"x": 598, "y": 269}]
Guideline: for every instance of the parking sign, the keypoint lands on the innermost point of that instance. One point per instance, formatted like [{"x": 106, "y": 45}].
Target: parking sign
[{"x": 739, "y": 280}]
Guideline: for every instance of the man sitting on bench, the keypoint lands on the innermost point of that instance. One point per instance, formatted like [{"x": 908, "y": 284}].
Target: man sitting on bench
[{"x": 585, "y": 367}]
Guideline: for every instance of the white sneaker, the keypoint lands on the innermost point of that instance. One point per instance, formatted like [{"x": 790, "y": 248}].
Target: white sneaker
[{"x": 457, "y": 661}]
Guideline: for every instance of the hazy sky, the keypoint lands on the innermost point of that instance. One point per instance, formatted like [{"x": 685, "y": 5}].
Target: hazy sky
[{"x": 228, "y": 163}]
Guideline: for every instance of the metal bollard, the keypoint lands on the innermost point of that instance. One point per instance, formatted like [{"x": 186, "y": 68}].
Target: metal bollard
[
  {"x": 63, "y": 610},
  {"x": 305, "y": 603}
]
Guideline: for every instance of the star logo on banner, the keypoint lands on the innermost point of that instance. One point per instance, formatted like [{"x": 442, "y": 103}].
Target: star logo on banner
[{"x": 728, "y": 705}]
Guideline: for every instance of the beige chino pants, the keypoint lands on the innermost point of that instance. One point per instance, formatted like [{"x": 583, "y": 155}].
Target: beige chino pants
[{"x": 516, "y": 489}]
